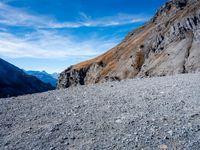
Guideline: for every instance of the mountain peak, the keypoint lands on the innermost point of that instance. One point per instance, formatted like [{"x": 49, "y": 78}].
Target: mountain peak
[{"x": 44, "y": 76}]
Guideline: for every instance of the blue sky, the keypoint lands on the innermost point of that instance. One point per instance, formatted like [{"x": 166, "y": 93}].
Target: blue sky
[{"x": 54, "y": 34}]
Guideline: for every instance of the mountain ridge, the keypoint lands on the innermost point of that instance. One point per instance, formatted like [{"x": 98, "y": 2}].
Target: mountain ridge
[
  {"x": 44, "y": 76},
  {"x": 15, "y": 82},
  {"x": 167, "y": 44}
]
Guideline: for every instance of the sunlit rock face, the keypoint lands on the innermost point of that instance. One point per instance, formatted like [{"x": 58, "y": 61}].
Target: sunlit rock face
[{"x": 168, "y": 44}]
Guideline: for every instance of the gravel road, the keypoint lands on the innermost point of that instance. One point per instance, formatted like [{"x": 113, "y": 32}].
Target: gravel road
[{"x": 149, "y": 114}]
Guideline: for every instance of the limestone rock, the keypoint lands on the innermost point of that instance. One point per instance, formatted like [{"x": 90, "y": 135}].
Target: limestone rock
[{"x": 168, "y": 44}]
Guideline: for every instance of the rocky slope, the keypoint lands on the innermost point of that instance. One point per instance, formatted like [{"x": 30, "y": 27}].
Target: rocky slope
[
  {"x": 161, "y": 113},
  {"x": 168, "y": 44},
  {"x": 14, "y": 82}
]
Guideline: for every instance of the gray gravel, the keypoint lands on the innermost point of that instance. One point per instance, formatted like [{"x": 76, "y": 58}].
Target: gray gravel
[{"x": 154, "y": 113}]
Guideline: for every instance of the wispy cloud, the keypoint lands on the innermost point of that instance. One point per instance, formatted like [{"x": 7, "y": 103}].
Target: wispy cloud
[
  {"x": 50, "y": 44},
  {"x": 46, "y": 42},
  {"x": 12, "y": 16},
  {"x": 43, "y": 43}
]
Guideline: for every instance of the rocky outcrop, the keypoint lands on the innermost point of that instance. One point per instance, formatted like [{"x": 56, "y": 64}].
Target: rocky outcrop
[
  {"x": 72, "y": 77},
  {"x": 168, "y": 44}
]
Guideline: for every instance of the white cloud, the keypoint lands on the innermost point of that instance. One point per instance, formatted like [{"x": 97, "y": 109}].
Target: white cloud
[
  {"x": 49, "y": 44},
  {"x": 14, "y": 17},
  {"x": 46, "y": 43}
]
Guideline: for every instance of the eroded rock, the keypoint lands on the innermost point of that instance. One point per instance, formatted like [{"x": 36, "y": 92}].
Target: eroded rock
[{"x": 168, "y": 44}]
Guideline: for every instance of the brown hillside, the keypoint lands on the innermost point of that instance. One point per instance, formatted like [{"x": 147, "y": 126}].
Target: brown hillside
[{"x": 168, "y": 44}]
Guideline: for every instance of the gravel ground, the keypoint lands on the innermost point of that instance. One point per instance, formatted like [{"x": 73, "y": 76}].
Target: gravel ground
[{"x": 155, "y": 113}]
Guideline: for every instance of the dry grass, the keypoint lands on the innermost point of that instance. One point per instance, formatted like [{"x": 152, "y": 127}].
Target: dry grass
[
  {"x": 129, "y": 46},
  {"x": 139, "y": 60},
  {"x": 108, "y": 69}
]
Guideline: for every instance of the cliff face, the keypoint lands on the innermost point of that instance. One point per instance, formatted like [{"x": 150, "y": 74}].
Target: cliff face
[{"x": 168, "y": 44}]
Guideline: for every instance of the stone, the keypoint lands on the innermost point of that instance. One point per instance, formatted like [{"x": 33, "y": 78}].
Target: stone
[{"x": 163, "y": 146}]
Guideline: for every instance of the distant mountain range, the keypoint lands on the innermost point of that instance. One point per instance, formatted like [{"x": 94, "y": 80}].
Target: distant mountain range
[
  {"x": 55, "y": 75},
  {"x": 45, "y": 77},
  {"x": 14, "y": 81}
]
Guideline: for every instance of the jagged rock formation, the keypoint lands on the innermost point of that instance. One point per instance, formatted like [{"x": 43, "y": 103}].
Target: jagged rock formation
[
  {"x": 168, "y": 44},
  {"x": 14, "y": 81}
]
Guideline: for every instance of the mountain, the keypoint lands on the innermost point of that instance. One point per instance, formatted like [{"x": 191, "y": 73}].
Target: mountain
[
  {"x": 55, "y": 75},
  {"x": 14, "y": 82},
  {"x": 44, "y": 76},
  {"x": 168, "y": 44}
]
